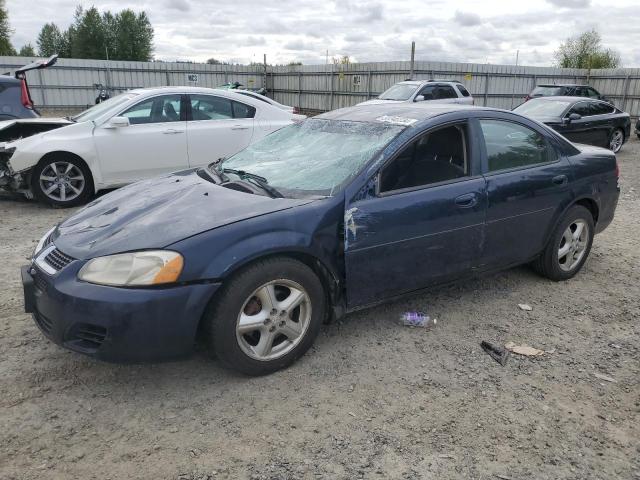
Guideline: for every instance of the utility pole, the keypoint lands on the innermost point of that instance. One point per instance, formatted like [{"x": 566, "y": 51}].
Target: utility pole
[
  {"x": 517, "y": 55},
  {"x": 413, "y": 56},
  {"x": 264, "y": 81}
]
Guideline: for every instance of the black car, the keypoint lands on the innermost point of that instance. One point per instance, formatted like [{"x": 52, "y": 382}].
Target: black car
[
  {"x": 15, "y": 98},
  {"x": 565, "y": 90},
  {"x": 580, "y": 120}
]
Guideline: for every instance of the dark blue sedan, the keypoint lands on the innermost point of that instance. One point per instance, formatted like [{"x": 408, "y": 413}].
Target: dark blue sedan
[{"x": 339, "y": 212}]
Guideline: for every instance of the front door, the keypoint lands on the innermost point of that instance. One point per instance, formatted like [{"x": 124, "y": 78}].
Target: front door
[
  {"x": 154, "y": 143},
  {"x": 425, "y": 223},
  {"x": 527, "y": 182},
  {"x": 579, "y": 131},
  {"x": 217, "y": 127}
]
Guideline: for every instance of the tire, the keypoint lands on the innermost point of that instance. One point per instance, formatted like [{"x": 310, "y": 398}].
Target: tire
[
  {"x": 616, "y": 140},
  {"x": 241, "y": 322},
  {"x": 69, "y": 177},
  {"x": 557, "y": 267}
]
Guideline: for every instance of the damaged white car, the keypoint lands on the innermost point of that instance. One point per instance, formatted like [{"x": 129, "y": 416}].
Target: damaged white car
[{"x": 133, "y": 136}]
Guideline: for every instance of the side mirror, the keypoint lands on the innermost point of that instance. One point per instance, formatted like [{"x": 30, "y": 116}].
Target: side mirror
[
  {"x": 118, "y": 122},
  {"x": 419, "y": 98},
  {"x": 574, "y": 116}
]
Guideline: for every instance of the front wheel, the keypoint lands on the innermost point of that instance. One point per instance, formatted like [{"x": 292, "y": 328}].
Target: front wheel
[
  {"x": 616, "y": 140},
  {"x": 62, "y": 181},
  {"x": 568, "y": 247},
  {"x": 266, "y": 316}
]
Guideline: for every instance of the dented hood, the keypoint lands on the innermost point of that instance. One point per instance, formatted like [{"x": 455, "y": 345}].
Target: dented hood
[{"x": 156, "y": 213}]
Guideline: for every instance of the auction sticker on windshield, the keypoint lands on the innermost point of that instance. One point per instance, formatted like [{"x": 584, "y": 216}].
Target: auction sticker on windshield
[{"x": 397, "y": 120}]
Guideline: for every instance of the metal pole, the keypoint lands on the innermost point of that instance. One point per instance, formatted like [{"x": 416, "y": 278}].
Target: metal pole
[
  {"x": 264, "y": 81},
  {"x": 299, "y": 90},
  {"x": 368, "y": 84},
  {"x": 413, "y": 56},
  {"x": 486, "y": 90},
  {"x": 626, "y": 92}
]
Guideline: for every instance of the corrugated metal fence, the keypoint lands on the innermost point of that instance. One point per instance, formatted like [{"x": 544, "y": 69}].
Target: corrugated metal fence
[{"x": 70, "y": 84}]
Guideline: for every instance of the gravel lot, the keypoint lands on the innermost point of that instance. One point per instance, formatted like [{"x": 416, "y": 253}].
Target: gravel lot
[{"x": 373, "y": 399}]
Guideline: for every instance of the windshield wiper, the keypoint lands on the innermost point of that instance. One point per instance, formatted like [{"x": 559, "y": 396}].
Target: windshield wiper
[{"x": 256, "y": 179}]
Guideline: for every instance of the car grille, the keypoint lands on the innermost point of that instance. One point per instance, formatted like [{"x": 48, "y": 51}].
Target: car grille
[
  {"x": 39, "y": 281},
  {"x": 45, "y": 324},
  {"x": 87, "y": 337},
  {"x": 58, "y": 260}
]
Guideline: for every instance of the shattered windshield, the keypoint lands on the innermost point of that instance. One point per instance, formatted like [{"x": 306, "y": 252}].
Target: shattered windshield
[
  {"x": 400, "y": 91},
  {"x": 314, "y": 157}
]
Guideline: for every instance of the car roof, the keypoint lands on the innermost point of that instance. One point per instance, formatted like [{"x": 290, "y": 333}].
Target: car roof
[
  {"x": 564, "y": 98},
  {"x": 401, "y": 111},
  {"x": 8, "y": 79},
  {"x": 562, "y": 85},
  {"x": 179, "y": 89},
  {"x": 420, "y": 82}
]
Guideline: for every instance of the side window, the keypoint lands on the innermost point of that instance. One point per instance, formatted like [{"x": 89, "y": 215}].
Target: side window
[
  {"x": 240, "y": 110},
  {"x": 581, "y": 109},
  {"x": 251, "y": 96},
  {"x": 598, "y": 108},
  {"x": 444, "y": 91},
  {"x": 436, "y": 156},
  {"x": 511, "y": 145},
  {"x": 210, "y": 107},
  {"x": 463, "y": 91},
  {"x": 592, "y": 93},
  {"x": 427, "y": 92},
  {"x": 161, "y": 109}
]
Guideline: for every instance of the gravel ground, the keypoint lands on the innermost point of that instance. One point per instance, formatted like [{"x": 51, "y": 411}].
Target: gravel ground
[{"x": 372, "y": 399}]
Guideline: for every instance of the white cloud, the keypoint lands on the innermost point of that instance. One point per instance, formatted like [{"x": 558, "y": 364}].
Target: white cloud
[{"x": 367, "y": 30}]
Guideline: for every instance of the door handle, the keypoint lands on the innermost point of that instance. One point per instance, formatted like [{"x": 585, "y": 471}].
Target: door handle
[
  {"x": 467, "y": 200},
  {"x": 172, "y": 131},
  {"x": 239, "y": 127},
  {"x": 560, "y": 180}
]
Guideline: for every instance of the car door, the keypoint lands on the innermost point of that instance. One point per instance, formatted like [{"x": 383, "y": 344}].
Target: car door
[
  {"x": 579, "y": 131},
  {"x": 601, "y": 123},
  {"x": 153, "y": 143},
  {"x": 217, "y": 127},
  {"x": 424, "y": 225},
  {"x": 527, "y": 179}
]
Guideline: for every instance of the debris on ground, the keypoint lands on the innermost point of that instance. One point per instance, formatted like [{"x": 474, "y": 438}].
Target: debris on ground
[
  {"x": 525, "y": 350},
  {"x": 499, "y": 354},
  {"x": 606, "y": 378},
  {"x": 417, "y": 319},
  {"x": 525, "y": 306}
]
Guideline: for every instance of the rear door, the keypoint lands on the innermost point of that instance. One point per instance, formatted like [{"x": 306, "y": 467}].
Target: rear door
[
  {"x": 154, "y": 143},
  {"x": 217, "y": 127},
  {"x": 527, "y": 180},
  {"x": 425, "y": 223}
]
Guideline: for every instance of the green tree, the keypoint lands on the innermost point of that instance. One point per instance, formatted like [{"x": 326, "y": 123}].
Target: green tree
[
  {"x": 27, "y": 51},
  {"x": 52, "y": 41},
  {"x": 133, "y": 36},
  {"x": 586, "y": 51},
  {"x": 88, "y": 39},
  {"x": 6, "y": 48},
  {"x": 214, "y": 61}
]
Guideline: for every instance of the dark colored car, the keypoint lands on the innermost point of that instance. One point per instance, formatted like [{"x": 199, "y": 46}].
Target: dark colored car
[
  {"x": 567, "y": 90},
  {"x": 593, "y": 122},
  {"x": 339, "y": 212},
  {"x": 15, "y": 97}
]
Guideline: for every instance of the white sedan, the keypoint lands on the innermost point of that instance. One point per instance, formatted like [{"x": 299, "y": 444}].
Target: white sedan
[{"x": 135, "y": 135}]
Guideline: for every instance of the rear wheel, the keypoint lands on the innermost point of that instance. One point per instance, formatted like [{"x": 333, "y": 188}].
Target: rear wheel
[
  {"x": 616, "y": 140},
  {"x": 568, "y": 247},
  {"x": 62, "y": 181},
  {"x": 266, "y": 316}
]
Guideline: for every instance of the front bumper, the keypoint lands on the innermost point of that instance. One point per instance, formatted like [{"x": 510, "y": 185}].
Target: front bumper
[{"x": 125, "y": 325}]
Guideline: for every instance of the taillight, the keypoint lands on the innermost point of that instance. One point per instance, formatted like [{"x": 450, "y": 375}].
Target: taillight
[{"x": 24, "y": 94}]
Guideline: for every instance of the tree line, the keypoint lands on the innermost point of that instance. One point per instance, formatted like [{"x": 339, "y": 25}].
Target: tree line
[{"x": 125, "y": 35}]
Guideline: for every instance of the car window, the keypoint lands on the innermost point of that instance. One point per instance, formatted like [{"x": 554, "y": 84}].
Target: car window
[
  {"x": 539, "y": 107},
  {"x": 444, "y": 91},
  {"x": 257, "y": 97},
  {"x": 165, "y": 108},
  {"x": 210, "y": 107},
  {"x": 582, "y": 109},
  {"x": 428, "y": 92},
  {"x": 434, "y": 157},
  {"x": 598, "y": 108},
  {"x": 511, "y": 145},
  {"x": 399, "y": 91},
  {"x": 546, "y": 91},
  {"x": 592, "y": 93},
  {"x": 463, "y": 91},
  {"x": 241, "y": 110}
]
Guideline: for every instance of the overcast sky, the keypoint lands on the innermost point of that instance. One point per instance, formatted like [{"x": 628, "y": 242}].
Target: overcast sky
[{"x": 489, "y": 31}]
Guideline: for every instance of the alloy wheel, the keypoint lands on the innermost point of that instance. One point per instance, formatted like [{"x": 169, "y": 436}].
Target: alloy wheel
[
  {"x": 616, "y": 141},
  {"x": 273, "y": 320},
  {"x": 62, "y": 181},
  {"x": 573, "y": 245}
]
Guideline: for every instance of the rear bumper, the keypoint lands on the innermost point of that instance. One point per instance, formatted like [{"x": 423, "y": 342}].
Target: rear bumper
[{"x": 115, "y": 324}]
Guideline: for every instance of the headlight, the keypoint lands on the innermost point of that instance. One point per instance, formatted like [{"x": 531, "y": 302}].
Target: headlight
[
  {"x": 153, "y": 267},
  {"x": 42, "y": 241}
]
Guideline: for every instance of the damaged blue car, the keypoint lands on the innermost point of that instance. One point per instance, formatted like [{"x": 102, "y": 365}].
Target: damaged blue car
[{"x": 339, "y": 212}]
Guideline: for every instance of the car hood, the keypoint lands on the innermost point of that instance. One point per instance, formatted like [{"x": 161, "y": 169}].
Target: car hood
[
  {"x": 38, "y": 121},
  {"x": 377, "y": 101},
  {"x": 156, "y": 213}
]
